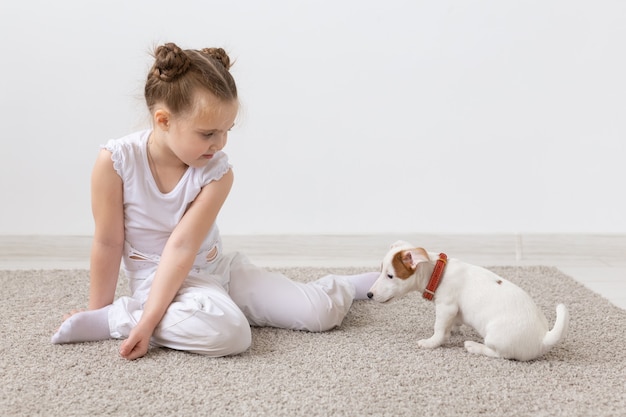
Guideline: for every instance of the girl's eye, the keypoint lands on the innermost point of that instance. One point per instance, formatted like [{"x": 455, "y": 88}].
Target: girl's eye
[
  {"x": 208, "y": 135},
  {"x": 389, "y": 276}
]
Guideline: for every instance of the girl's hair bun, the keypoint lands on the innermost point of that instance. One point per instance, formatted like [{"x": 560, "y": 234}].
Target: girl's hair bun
[
  {"x": 170, "y": 62},
  {"x": 176, "y": 74},
  {"x": 219, "y": 55}
]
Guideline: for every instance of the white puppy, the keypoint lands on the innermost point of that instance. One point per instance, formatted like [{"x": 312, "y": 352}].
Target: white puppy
[{"x": 510, "y": 323}]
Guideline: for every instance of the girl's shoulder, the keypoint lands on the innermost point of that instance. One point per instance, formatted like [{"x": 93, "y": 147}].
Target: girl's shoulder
[
  {"x": 127, "y": 150},
  {"x": 134, "y": 142}
]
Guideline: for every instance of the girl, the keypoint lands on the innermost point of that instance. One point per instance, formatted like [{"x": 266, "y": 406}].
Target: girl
[{"x": 155, "y": 197}]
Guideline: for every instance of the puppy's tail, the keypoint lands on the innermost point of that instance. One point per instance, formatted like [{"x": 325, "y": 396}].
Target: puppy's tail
[{"x": 559, "y": 330}]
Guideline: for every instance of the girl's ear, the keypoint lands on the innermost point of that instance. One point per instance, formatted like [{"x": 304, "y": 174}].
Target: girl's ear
[{"x": 162, "y": 119}]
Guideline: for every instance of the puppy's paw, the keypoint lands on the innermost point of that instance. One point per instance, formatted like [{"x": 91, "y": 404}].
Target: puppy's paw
[
  {"x": 480, "y": 349},
  {"x": 473, "y": 347},
  {"x": 428, "y": 343}
]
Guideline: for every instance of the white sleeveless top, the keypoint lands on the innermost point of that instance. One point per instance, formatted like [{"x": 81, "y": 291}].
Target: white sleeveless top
[{"x": 150, "y": 216}]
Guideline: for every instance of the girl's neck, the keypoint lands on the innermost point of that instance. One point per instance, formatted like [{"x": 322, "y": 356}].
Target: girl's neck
[
  {"x": 166, "y": 168},
  {"x": 161, "y": 155}
]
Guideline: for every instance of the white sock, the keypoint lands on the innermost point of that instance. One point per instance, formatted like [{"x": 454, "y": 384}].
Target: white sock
[
  {"x": 363, "y": 283},
  {"x": 86, "y": 326}
]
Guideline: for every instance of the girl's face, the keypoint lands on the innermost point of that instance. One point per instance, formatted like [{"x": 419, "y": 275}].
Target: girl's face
[{"x": 196, "y": 136}]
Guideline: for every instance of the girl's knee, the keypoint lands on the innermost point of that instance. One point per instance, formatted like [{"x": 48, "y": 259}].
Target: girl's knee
[
  {"x": 194, "y": 326},
  {"x": 234, "y": 339},
  {"x": 228, "y": 336}
]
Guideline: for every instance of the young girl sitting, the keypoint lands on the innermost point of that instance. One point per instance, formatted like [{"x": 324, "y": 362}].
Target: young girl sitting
[{"x": 156, "y": 195}]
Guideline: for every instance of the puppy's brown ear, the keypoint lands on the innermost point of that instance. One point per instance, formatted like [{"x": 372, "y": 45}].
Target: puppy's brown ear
[
  {"x": 405, "y": 262},
  {"x": 413, "y": 257}
]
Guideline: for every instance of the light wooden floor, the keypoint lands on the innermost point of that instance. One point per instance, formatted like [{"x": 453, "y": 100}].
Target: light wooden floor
[{"x": 597, "y": 261}]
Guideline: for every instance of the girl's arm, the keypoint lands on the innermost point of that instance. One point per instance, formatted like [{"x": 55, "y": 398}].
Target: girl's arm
[
  {"x": 177, "y": 259},
  {"x": 108, "y": 243}
]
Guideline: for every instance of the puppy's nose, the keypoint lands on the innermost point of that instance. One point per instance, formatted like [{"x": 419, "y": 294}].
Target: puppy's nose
[{"x": 370, "y": 294}]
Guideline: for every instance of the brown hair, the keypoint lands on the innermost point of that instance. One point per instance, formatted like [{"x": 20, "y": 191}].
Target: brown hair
[{"x": 177, "y": 74}]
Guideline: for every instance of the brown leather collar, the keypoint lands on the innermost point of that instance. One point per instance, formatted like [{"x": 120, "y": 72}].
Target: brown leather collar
[{"x": 435, "y": 278}]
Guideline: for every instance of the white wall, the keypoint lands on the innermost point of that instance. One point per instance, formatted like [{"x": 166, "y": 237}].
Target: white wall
[{"x": 358, "y": 116}]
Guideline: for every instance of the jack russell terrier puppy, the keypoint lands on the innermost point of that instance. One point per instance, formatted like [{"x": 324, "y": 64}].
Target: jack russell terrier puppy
[{"x": 511, "y": 324}]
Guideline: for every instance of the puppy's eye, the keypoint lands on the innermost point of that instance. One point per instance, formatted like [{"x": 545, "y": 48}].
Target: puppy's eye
[{"x": 389, "y": 276}]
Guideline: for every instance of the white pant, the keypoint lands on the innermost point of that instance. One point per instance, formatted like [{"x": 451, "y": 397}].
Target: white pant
[{"x": 212, "y": 312}]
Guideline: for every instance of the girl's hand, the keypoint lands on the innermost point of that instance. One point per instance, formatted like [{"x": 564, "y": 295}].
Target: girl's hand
[{"x": 137, "y": 343}]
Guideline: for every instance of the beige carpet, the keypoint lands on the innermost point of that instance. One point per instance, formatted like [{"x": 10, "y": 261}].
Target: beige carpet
[{"x": 371, "y": 365}]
